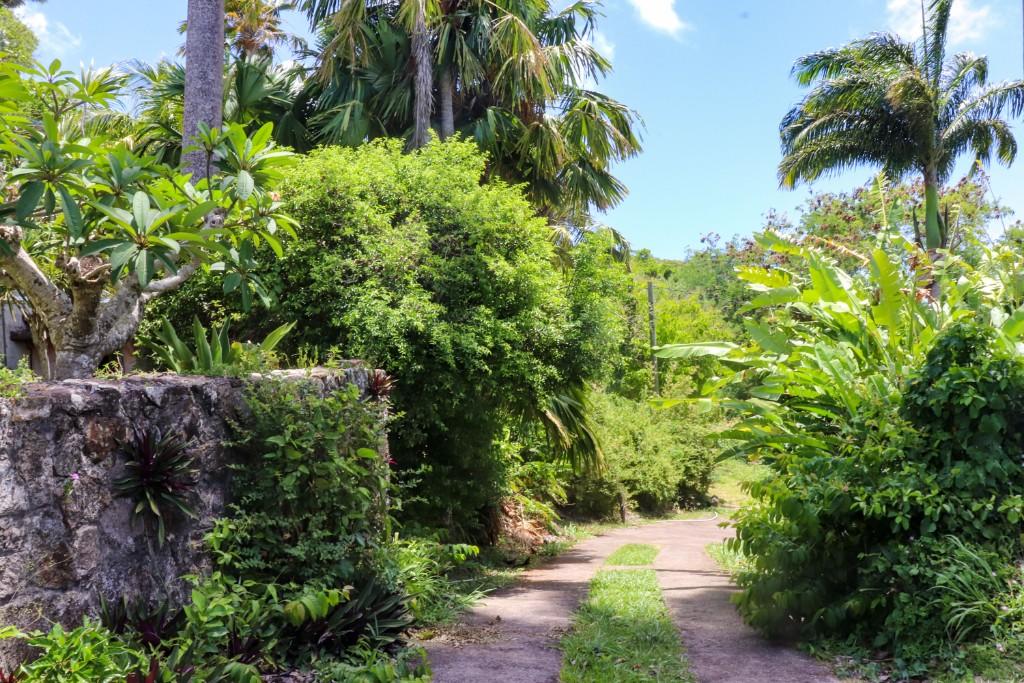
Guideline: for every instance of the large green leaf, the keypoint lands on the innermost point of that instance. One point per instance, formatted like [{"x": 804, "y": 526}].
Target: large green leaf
[
  {"x": 699, "y": 350},
  {"x": 31, "y": 193},
  {"x": 890, "y": 298}
]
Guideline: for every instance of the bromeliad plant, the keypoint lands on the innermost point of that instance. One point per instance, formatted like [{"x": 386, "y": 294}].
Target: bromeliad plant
[
  {"x": 98, "y": 230},
  {"x": 160, "y": 476}
]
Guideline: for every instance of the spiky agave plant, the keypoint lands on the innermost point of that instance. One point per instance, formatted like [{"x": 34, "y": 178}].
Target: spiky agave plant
[{"x": 159, "y": 477}]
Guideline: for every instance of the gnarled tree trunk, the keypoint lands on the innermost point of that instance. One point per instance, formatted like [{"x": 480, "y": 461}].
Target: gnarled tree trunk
[{"x": 88, "y": 322}]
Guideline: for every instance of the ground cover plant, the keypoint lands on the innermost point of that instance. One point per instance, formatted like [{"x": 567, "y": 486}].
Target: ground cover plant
[
  {"x": 623, "y": 633},
  {"x": 636, "y": 554}
]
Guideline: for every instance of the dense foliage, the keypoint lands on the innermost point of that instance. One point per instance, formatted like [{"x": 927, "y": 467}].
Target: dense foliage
[
  {"x": 306, "y": 576},
  {"x": 94, "y": 230},
  {"x": 654, "y": 460},
  {"x": 317, "y": 502},
  {"x": 893, "y": 426},
  {"x": 519, "y": 78},
  {"x": 408, "y": 262},
  {"x": 17, "y": 42}
]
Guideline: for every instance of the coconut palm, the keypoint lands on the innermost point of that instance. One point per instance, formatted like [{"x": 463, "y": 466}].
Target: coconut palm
[{"x": 905, "y": 107}]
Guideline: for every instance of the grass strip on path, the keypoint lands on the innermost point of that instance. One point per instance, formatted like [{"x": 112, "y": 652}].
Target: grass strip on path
[
  {"x": 623, "y": 633},
  {"x": 633, "y": 555}
]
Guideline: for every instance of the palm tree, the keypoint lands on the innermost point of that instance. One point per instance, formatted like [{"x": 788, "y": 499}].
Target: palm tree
[
  {"x": 905, "y": 107},
  {"x": 204, "y": 78},
  {"x": 253, "y": 27},
  {"x": 514, "y": 75},
  {"x": 256, "y": 91},
  {"x": 353, "y": 35}
]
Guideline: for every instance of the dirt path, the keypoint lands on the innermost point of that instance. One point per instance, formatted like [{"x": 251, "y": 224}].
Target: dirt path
[{"x": 512, "y": 636}]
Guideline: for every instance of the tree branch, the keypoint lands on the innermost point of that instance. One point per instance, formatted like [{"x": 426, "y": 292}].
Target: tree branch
[
  {"x": 171, "y": 282},
  {"x": 87, "y": 283},
  {"x": 29, "y": 279}
]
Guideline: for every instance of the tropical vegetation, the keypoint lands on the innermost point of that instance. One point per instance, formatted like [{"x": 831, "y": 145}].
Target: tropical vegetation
[
  {"x": 906, "y": 107},
  {"x": 419, "y": 189}
]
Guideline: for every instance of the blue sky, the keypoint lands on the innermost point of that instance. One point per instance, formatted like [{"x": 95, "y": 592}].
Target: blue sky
[{"x": 709, "y": 77}]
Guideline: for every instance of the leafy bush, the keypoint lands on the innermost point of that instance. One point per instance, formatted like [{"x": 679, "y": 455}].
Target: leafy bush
[
  {"x": 311, "y": 495},
  {"x": 231, "y": 626},
  {"x": 150, "y": 623},
  {"x": 422, "y": 567},
  {"x": 87, "y": 654},
  {"x": 655, "y": 458},
  {"x": 366, "y": 664},
  {"x": 12, "y": 381},
  {"x": 371, "y": 612},
  {"x": 894, "y": 426},
  {"x": 410, "y": 263},
  {"x": 893, "y": 537}
]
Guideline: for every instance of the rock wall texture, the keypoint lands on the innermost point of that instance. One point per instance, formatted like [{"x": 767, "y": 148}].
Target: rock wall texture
[{"x": 65, "y": 538}]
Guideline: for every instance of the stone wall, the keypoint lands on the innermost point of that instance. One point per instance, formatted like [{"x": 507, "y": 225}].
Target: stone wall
[{"x": 65, "y": 538}]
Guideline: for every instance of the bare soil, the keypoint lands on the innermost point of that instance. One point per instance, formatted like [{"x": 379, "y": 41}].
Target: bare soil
[{"x": 512, "y": 636}]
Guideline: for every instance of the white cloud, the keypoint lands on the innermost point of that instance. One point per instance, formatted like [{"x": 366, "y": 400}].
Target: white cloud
[
  {"x": 55, "y": 39},
  {"x": 969, "y": 21},
  {"x": 603, "y": 45},
  {"x": 660, "y": 15}
]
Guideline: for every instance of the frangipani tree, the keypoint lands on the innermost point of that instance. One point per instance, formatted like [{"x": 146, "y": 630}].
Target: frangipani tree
[{"x": 94, "y": 231}]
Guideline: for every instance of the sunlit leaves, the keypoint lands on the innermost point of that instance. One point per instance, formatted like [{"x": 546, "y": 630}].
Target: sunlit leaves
[{"x": 95, "y": 197}]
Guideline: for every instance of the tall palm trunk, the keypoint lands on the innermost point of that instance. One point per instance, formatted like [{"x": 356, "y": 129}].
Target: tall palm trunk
[
  {"x": 424, "y": 79},
  {"x": 446, "y": 85},
  {"x": 933, "y": 230},
  {"x": 204, "y": 78}
]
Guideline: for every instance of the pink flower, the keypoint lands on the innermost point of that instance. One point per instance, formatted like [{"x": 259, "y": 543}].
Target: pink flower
[{"x": 75, "y": 477}]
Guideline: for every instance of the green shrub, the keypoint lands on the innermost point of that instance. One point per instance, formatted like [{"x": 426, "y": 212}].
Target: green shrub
[
  {"x": 657, "y": 458},
  {"x": 213, "y": 352},
  {"x": 896, "y": 536},
  {"x": 422, "y": 567},
  {"x": 410, "y": 263},
  {"x": 87, "y": 654},
  {"x": 12, "y": 382},
  {"x": 311, "y": 493}
]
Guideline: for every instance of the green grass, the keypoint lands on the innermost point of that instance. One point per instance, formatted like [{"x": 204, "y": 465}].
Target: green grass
[
  {"x": 729, "y": 477},
  {"x": 623, "y": 634},
  {"x": 731, "y": 561},
  {"x": 633, "y": 555}
]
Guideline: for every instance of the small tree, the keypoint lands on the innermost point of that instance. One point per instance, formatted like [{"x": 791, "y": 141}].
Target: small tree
[{"x": 95, "y": 230}]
